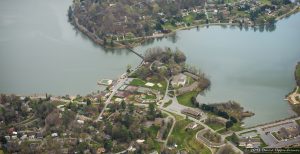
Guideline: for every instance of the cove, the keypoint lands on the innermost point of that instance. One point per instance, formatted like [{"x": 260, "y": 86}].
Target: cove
[{"x": 40, "y": 52}]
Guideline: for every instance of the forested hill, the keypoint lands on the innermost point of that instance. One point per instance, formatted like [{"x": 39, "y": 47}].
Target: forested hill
[
  {"x": 111, "y": 22},
  {"x": 120, "y": 17}
]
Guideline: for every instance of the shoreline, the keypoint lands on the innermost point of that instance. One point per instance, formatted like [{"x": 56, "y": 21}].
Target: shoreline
[
  {"x": 141, "y": 40},
  {"x": 293, "y": 95},
  {"x": 291, "y": 98}
]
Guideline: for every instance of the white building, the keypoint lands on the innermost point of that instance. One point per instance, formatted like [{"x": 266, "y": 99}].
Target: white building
[
  {"x": 54, "y": 134},
  {"x": 179, "y": 80}
]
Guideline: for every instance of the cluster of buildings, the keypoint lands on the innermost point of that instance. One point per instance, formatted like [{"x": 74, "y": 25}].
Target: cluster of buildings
[
  {"x": 288, "y": 132},
  {"x": 137, "y": 94},
  {"x": 12, "y": 135},
  {"x": 145, "y": 93},
  {"x": 216, "y": 13},
  {"x": 249, "y": 142}
]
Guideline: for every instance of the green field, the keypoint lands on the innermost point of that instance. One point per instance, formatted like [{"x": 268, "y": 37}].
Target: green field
[
  {"x": 254, "y": 131},
  {"x": 169, "y": 26},
  {"x": 236, "y": 127},
  {"x": 152, "y": 132},
  {"x": 150, "y": 97},
  {"x": 263, "y": 2},
  {"x": 215, "y": 126},
  {"x": 185, "y": 139},
  {"x": 185, "y": 99},
  {"x": 137, "y": 82},
  {"x": 189, "y": 18},
  {"x": 141, "y": 83}
]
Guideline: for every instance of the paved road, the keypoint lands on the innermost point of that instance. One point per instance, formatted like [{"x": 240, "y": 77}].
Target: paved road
[
  {"x": 115, "y": 88},
  {"x": 200, "y": 137},
  {"x": 268, "y": 138}
]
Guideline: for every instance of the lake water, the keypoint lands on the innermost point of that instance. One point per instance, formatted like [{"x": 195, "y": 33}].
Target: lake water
[{"x": 41, "y": 52}]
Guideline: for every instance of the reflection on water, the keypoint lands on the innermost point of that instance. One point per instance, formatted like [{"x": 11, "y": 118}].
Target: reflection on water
[
  {"x": 44, "y": 53},
  {"x": 252, "y": 66}
]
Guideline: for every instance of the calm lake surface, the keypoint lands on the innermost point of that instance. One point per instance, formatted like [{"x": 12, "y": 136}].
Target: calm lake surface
[{"x": 41, "y": 52}]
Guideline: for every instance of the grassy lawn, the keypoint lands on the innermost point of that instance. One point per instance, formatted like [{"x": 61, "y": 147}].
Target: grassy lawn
[
  {"x": 156, "y": 80},
  {"x": 233, "y": 138},
  {"x": 141, "y": 83},
  {"x": 222, "y": 131},
  {"x": 167, "y": 103},
  {"x": 215, "y": 126},
  {"x": 229, "y": 1},
  {"x": 189, "y": 18},
  {"x": 254, "y": 131},
  {"x": 263, "y": 2},
  {"x": 177, "y": 117},
  {"x": 185, "y": 99},
  {"x": 236, "y": 127},
  {"x": 150, "y": 97},
  {"x": 186, "y": 139},
  {"x": 137, "y": 82},
  {"x": 169, "y": 26},
  {"x": 162, "y": 89}
]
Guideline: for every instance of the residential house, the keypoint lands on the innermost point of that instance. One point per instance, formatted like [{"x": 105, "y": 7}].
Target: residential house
[
  {"x": 80, "y": 121},
  {"x": 249, "y": 142},
  {"x": 179, "y": 80},
  {"x": 121, "y": 94},
  {"x": 54, "y": 134},
  {"x": 131, "y": 89},
  {"x": 195, "y": 113},
  {"x": 289, "y": 132}
]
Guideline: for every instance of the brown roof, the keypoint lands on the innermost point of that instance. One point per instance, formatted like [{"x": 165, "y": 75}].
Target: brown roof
[
  {"x": 194, "y": 112},
  {"x": 131, "y": 88},
  {"x": 121, "y": 94}
]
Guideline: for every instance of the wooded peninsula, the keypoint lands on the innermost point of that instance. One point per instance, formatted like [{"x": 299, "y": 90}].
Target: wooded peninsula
[{"x": 125, "y": 24}]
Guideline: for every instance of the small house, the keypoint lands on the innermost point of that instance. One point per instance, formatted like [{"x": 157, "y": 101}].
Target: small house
[
  {"x": 80, "y": 121},
  {"x": 54, "y": 135}
]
